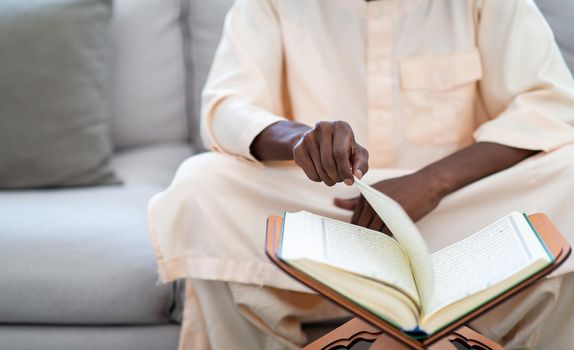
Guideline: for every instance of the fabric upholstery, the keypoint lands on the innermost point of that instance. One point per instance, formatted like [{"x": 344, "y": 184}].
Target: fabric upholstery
[
  {"x": 82, "y": 256},
  {"x": 53, "y": 103},
  {"x": 155, "y": 164},
  {"x": 559, "y": 14},
  {"x": 160, "y": 337},
  {"x": 148, "y": 80},
  {"x": 202, "y": 30}
]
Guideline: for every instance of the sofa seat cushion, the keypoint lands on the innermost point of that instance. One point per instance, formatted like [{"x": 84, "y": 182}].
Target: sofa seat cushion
[
  {"x": 83, "y": 256},
  {"x": 160, "y": 337}
]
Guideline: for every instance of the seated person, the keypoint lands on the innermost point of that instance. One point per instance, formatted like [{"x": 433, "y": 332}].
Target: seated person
[{"x": 462, "y": 111}]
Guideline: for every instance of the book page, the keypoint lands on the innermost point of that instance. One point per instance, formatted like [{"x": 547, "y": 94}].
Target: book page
[
  {"x": 349, "y": 247},
  {"x": 388, "y": 303},
  {"x": 484, "y": 259},
  {"x": 407, "y": 234}
]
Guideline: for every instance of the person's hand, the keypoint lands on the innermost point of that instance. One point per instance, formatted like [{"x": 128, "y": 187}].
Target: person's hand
[
  {"x": 328, "y": 153},
  {"x": 416, "y": 193}
]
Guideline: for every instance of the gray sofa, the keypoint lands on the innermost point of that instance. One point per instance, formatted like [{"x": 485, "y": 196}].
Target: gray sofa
[{"x": 76, "y": 267}]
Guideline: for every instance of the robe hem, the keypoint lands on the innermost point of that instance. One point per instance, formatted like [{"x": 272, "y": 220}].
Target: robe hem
[{"x": 228, "y": 270}]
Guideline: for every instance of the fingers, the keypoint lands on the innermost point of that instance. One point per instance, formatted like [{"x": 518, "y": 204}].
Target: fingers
[
  {"x": 306, "y": 156},
  {"x": 347, "y": 204},
  {"x": 376, "y": 223},
  {"x": 343, "y": 143},
  {"x": 358, "y": 211},
  {"x": 366, "y": 216},
  {"x": 303, "y": 160},
  {"x": 316, "y": 158},
  {"x": 328, "y": 153},
  {"x": 325, "y": 142},
  {"x": 360, "y": 160}
]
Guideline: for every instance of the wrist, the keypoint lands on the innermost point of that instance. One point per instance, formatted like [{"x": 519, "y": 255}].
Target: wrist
[
  {"x": 440, "y": 181},
  {"x": 276, "y": 142},
  {"x": 294, "y": 134}
]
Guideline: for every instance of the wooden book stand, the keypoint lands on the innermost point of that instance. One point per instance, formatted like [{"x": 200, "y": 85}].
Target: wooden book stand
[
  {"x": 357, "y": 330},
  {"x": 385, "y": 336}
]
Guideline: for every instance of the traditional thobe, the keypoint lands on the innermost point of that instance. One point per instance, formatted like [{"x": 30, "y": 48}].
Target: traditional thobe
[{"x": 416, "y": 80}]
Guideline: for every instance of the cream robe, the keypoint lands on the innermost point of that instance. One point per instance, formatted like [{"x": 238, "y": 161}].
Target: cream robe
[{"x": 417, "y": 80}]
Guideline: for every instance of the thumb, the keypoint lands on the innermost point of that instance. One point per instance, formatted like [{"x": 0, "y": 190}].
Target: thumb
[{"x": 348, "y": 204}]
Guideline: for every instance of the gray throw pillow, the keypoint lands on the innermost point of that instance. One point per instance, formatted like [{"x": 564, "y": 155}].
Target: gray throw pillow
[{"x": 53, "y": 105}]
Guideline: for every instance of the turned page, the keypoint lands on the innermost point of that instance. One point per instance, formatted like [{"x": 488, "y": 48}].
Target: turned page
[
  {"x": 407, "y": 234},
  {"x": 484, "y": 259},
  {"x": 348, "y": 247}
]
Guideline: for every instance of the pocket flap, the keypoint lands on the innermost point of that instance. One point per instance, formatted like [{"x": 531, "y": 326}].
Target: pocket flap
[{"x": 440, "y": 72}]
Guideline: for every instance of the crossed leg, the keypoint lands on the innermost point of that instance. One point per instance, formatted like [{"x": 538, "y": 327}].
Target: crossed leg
[{"x": 209, "y": 227}]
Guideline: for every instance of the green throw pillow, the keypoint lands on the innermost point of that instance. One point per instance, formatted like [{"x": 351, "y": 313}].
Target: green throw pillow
[{"x": 54, "y": 108}]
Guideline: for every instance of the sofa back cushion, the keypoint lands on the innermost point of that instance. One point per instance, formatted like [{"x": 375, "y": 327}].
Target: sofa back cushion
[
  {"x": 54, "y": 108},
  {"x": 559, "y": 14},
  {"x": 148, "y": 80},
  {"x": 202, "y": 34}
]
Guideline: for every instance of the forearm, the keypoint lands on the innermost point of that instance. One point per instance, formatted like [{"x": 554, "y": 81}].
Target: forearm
[
  {"x": 471, "y": 164},
  {"x": 276, "y": 142}
]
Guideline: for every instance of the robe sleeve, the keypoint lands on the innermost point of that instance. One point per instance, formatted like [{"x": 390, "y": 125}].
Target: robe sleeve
[
  {"x": 527, "y": 88},
  {"x": 242, "y": 95}
]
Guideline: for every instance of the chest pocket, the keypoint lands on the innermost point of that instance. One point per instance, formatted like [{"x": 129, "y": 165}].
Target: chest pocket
[{"x": 438, "y": 94}]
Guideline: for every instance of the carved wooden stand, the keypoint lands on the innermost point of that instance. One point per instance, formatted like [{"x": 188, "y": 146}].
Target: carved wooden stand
[
  {"x": 385, "y": 336},
  {"x": 357, "y": 330}
]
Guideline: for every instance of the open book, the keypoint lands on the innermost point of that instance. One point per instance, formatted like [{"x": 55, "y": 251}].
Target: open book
[{"x": 397, "y": 279}]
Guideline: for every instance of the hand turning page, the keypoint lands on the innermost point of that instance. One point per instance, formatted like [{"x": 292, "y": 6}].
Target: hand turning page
[
  {"x": 408, "y": 235},
  {"x": 396, "y": 279}
]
